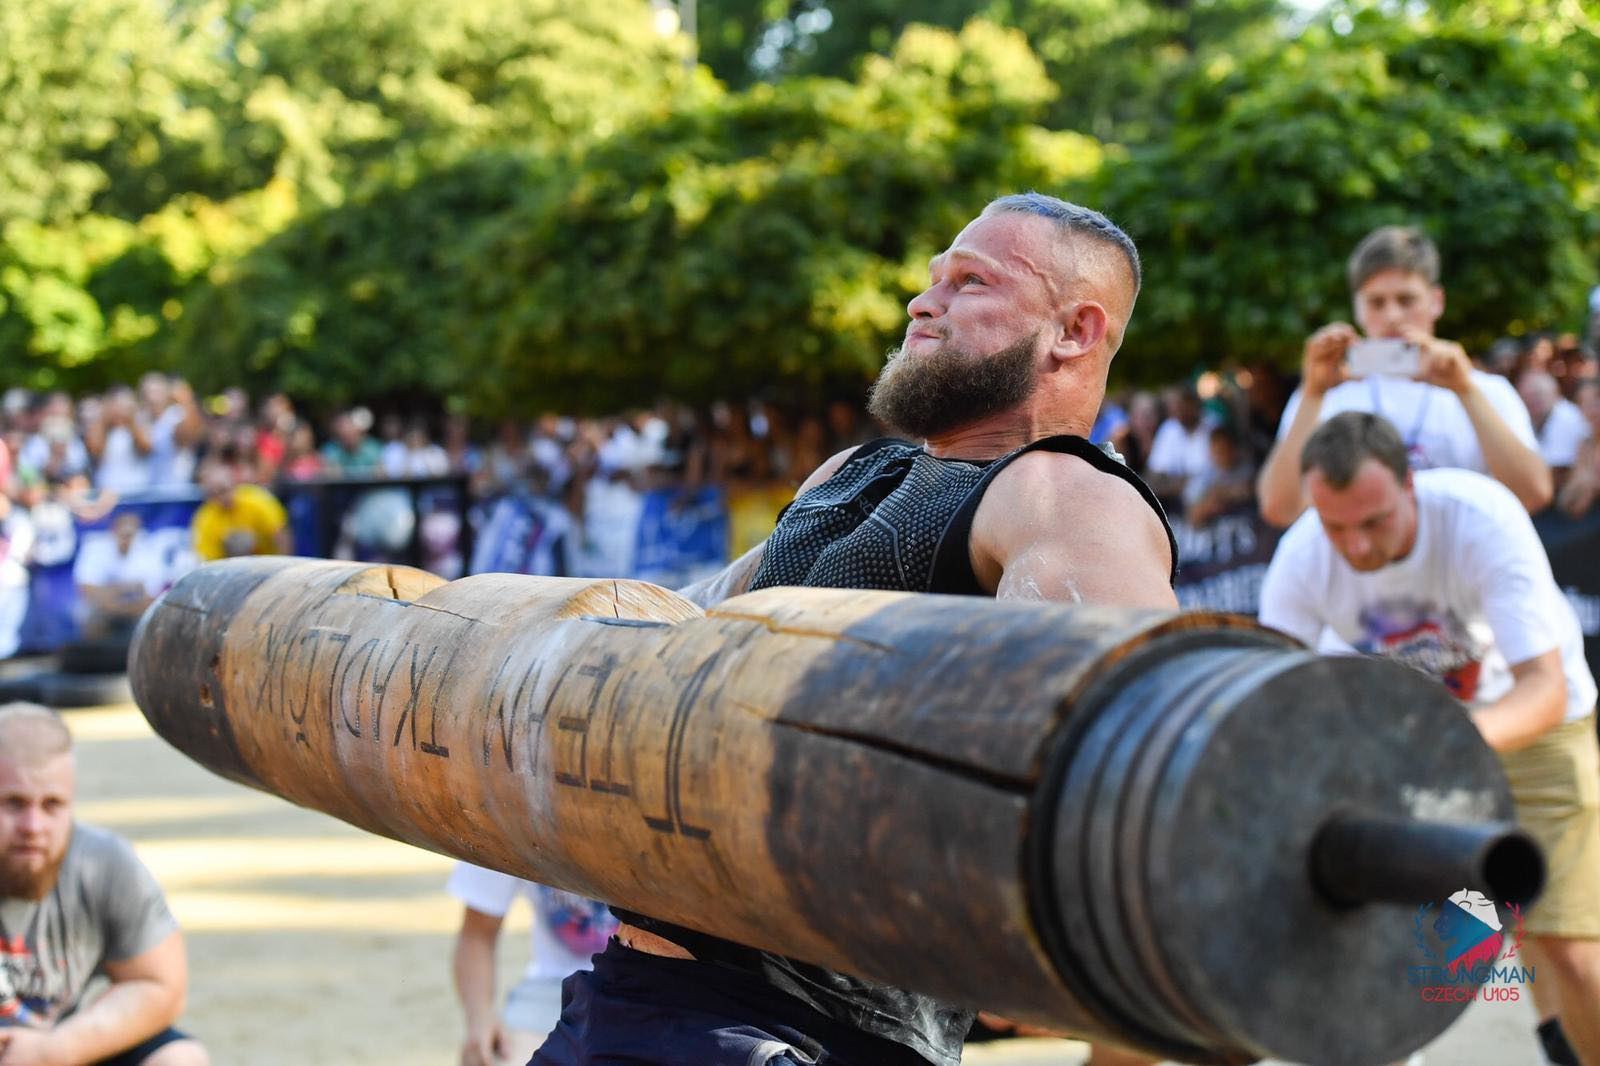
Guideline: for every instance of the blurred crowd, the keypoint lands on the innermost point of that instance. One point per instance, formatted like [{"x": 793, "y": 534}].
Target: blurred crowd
[
  {"x": 159, "y": 438},
  {"x": 1199, "y": 443}
]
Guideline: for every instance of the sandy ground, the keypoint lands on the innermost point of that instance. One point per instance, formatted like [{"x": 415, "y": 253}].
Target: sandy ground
[{"x": 314, "y": 943}]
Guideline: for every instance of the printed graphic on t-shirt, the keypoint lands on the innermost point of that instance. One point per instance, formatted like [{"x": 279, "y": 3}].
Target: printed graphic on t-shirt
[
  {"x": 581, "y": 925},
  {"x": 1422, "y": 635},
  {"x": 26, "y": 995}
]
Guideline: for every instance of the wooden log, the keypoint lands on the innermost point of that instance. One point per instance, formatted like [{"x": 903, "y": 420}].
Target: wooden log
[{"x": 886, "y": 784}]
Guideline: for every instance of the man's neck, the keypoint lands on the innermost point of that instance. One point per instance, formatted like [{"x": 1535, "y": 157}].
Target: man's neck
[{"x": 992, "y": 438}]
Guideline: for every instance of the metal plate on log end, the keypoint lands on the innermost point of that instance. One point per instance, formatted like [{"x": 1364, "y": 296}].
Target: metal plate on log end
[
  {"x": 1079, "y": 816},
  {"x": 1248, "y": 937}
]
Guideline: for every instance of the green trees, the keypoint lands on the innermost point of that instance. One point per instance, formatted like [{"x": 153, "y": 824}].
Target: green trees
[
  {"x": 762, "y": 241},
  {"x": 526, "y": 204},
  {"x": 1480, "y": 130}
]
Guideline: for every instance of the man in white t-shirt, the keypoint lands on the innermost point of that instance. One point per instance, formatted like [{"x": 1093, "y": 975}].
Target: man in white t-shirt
[
  {"x": 1442, "y": 570},
  {"x": 1557, "y": 422},
  {"x": 567, "y": 930},
  {"x": 1181, "y": 450},
  {"x": 1449, "y": 415},
  {"x": 118, "y": 575}
]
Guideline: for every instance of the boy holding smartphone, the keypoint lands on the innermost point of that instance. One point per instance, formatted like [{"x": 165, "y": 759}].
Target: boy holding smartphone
[{"x": 1449, "y": 413}]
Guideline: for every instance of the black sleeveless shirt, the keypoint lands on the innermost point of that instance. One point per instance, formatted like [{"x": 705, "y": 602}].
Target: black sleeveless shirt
[{"x": 892, "y": 517}]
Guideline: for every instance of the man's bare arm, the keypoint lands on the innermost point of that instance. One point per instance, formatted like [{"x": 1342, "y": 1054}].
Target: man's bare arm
[
  {"x": 1535, "y": 704},
  {"x": 1512, "y": 463},
  {"x": 731, "y": 580},
  {"x": 734, "y": 579},
  {"x": 1052, "y": 527},
  {"x": 1322, "y": 368},
  {"x": 146, "y": 995}
]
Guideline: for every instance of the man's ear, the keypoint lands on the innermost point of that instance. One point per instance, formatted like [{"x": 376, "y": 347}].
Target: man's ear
[
  {"x": 1079, "y": 329},
  {"x": 1437, "y": 293}
]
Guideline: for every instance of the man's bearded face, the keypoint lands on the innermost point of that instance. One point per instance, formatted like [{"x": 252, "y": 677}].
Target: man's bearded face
[
  {"x": 927, "y": 395},
  {"x": 35, "y": 824}
]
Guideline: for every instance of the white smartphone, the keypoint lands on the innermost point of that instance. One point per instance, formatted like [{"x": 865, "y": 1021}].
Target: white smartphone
[{"x": 1388, "y": 356}]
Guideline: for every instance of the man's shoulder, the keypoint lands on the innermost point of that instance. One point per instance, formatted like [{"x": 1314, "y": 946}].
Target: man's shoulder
[
  {"x": 1303, "y": 542},
  {"x": 95, "y": 854},
  {"x": 1052, "y": 485},
  {"x": 1487, "y": 504}
]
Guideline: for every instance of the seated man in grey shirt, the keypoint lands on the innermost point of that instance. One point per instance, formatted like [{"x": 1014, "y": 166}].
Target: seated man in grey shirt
[{"x": 76, "y": 903}]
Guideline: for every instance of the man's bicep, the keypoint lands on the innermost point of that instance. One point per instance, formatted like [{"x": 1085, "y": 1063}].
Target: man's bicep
[
  {"x": 1091, "y": 566},
  {"x": 166, "y": 962}
]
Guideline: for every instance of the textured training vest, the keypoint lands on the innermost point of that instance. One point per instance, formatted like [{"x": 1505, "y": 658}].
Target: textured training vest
[{"x": 892, "y": 517}]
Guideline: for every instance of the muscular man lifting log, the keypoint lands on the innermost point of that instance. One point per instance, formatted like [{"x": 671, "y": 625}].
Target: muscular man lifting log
[
  {"x": 803, "y": 784},
  {"x": 1000, "y": 376}
]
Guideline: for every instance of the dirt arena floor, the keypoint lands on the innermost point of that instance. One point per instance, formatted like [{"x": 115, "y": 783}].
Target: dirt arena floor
[{"x": 314, "y": 943}]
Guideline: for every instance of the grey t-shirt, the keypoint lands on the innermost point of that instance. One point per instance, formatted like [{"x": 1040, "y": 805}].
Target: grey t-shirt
[{"x": 106, "y": 907}]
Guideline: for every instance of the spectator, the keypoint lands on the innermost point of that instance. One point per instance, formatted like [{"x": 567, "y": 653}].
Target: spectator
[
  {"x": 77, "y": 903},
  {"x": 118, "y": 442},
  {"x": 54, "y": 449},
  {"x": 176, "y": 425},
  {"x": 462, "y": 455},
  {"x": 300, "y": 459},
  {"x": 1557, "y": 422},
  {"x": 1449, "y": 414},
  {"x": 56, "y": 452},
  {"x": 1266, "y": 391},
  {"x": 567, "y": 931},
  {"x": 1227, "y": 482},
  {"x": 237, "y": 519},
  {"x": 351, "y": 452},
  {"x": 414, "y": 455},
  {"x": 16, "y": 543},
  {"x": 273, "y": 429},
  {"x": 1442, "y": 570},
  {"x": 1582, "y": 486},
  {"x": 118, "y": 575},
  {"x": 1144, "y": 421},
  {"x": 1182, "y": 447}
]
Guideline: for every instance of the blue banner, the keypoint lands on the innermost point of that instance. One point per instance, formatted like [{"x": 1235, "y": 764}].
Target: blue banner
[
  {"x": 683, "y": 536},
  {"x": 53, "y": 614}
]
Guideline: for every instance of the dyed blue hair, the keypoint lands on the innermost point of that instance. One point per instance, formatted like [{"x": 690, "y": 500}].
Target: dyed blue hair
[{"x": 1071, "y": 218}]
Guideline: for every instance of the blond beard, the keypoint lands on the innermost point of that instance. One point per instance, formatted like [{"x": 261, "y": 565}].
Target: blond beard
[
  {"x": 30, "y": 884},
  {"x": 924, "y": 396}
]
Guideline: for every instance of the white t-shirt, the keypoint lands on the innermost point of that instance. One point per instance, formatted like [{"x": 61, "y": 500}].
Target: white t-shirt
[
  {"x": 568, "y": 929},
  {"x": 121, "y": 469},
  {"x": 1474, "y": 595},
  {"x": 168, "y": 466},
  {"x": 99, "y": 563},
  {"x": 1563, "y": 431},
  {"x": 1179, "y": 452},
  {"x": 1430, "y": 419}
]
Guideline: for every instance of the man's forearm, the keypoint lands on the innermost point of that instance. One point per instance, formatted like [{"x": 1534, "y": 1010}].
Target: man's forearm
[
  {"x": 1535, "y": 705},
  {"x": 129, "y": 1012},
  {"x": 1511, "y": 462},
  {"x": 731, "y": 580},
  {"x": 473, "y": 967}
]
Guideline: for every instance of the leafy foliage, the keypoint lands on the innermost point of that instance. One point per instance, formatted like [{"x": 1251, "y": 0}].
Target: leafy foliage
[
  {"x": 765, "y": 241},
  {"x": 1280, "y": 162},
  {"x": 532, "y": 204}
]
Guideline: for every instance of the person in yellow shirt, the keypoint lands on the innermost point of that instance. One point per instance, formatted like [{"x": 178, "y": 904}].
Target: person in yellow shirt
[{"x": 237, "y": 519}]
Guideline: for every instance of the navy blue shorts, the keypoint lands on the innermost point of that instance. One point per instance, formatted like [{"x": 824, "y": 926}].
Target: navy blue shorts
[
  {"x": 134, "y": 1056},
  {"x": 636, "y": 1009}
]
